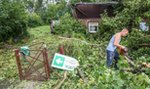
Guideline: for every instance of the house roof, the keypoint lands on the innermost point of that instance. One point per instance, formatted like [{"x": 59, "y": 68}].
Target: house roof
[
  {"x": 92, "y": 10},
  {"x": 97, "y": 3}
]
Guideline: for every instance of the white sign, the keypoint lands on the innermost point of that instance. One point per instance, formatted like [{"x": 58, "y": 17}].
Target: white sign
[{"x": 64, "y": 62}]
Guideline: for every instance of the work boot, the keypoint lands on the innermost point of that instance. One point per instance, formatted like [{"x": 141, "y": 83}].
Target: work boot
[{"x": 116, "y": 67}]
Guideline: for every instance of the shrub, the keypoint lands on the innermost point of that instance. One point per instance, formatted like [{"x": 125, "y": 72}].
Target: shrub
[
  {"x": 70, "y": 27},
  {"x": 53, "y": 11},
  {"x": 34, "y": 20},
  {"x": 13, "y": 19}
]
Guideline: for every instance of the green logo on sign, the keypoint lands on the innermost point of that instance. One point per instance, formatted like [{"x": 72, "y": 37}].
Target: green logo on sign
[{"x": 59, "y": 61}]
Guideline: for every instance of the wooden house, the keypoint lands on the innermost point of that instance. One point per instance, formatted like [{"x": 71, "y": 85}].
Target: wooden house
[{"x": 89, "y": 14}]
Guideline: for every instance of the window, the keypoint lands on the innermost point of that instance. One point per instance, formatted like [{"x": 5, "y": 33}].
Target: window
[
  {"x": 93, "y": 27},
  {"x": 144, "y": 26}
]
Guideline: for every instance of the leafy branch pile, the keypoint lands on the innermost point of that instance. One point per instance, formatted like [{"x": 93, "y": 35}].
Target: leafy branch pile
[{"x": 92, "y": 63}]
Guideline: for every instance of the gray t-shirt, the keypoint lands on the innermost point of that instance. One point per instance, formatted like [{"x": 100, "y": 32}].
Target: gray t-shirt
[{"x": 111, "y": 46}]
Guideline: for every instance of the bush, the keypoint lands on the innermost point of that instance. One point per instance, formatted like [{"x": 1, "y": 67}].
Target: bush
[
  {"x": 34, "y": 20},
  {"x": 13, "y": 19},
  {"x": 70, "y": 27},
  {"x": 135, "y": 41},
  {"x": 53, "y": 11}
]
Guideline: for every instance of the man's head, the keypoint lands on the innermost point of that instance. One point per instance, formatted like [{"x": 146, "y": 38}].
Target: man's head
[{"x": 124, "y": 32}]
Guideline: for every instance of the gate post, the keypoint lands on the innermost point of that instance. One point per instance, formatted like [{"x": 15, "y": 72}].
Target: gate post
[
  {"x": 62, "y": 50},
  {"x": 46, "y": 63},
  {"x": 18, "y": 63}
]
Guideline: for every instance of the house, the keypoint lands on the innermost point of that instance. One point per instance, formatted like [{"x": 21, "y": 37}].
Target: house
[{"x": 89, "y": 14}]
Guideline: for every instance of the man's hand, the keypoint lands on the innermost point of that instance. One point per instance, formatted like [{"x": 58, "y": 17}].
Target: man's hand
[{"x": 123, "y": 47}]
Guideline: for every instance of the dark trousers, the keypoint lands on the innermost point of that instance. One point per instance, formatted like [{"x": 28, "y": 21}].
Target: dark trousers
[{"x": 112, "y": 55}]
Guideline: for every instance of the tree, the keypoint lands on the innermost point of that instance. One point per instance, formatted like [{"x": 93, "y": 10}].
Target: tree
[
  {"x": 13, "y": 19},
  {"x": 128, "y": 15},
  {"x": 53, "y": 11}
]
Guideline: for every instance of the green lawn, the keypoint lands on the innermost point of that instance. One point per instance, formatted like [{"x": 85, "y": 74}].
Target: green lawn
[{"x": 40, "y": 31}]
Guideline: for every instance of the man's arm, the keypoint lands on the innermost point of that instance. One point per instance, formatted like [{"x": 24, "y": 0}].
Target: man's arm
[{"x": 116, "y": 42}]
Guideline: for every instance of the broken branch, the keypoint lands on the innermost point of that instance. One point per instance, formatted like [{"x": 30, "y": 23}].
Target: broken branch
[
  {"x": 62, "y": 81},
  {"x": 81, "y": 75},
  {"x": 82, "y": 41}
]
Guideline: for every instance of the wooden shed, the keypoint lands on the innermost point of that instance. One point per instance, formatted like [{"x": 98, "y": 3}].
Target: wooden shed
[{"x": 89, "y": 14}]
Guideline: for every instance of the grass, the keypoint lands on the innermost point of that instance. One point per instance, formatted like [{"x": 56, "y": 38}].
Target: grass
[
  {"x": 39, "y": 31},
  {"x": 98, "y": 75},
  {"x": 8, "y": 69}
]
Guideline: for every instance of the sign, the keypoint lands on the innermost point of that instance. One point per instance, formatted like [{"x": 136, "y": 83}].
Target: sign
[{"x": 64, "y": 62}]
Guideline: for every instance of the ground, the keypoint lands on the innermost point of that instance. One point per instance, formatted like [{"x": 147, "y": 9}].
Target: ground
[{"x": 91, "y": 59}]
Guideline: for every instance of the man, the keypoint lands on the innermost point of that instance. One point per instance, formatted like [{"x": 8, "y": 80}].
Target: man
[
  {"x": 113, "y": 45},
  {"x": 51, "y": 26}
]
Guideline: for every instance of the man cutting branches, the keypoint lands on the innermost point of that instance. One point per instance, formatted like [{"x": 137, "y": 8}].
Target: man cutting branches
[{"x": 112, "y": 53}]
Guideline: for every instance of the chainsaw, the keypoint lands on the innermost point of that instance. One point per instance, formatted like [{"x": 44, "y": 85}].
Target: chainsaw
[{"x": 124, "y": 52}]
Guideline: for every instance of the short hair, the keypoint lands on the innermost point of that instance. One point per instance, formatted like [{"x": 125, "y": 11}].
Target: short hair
[
  {"x": 128, "y": 29},
  {"x": 125, "y": 29}
]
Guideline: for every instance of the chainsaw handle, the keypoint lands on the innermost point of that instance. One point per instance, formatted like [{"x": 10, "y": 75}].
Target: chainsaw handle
[{"x": 122, "y": 51}]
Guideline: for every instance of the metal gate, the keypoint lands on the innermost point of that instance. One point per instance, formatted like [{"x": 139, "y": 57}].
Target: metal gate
[{"x": 33, "y": 62}]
